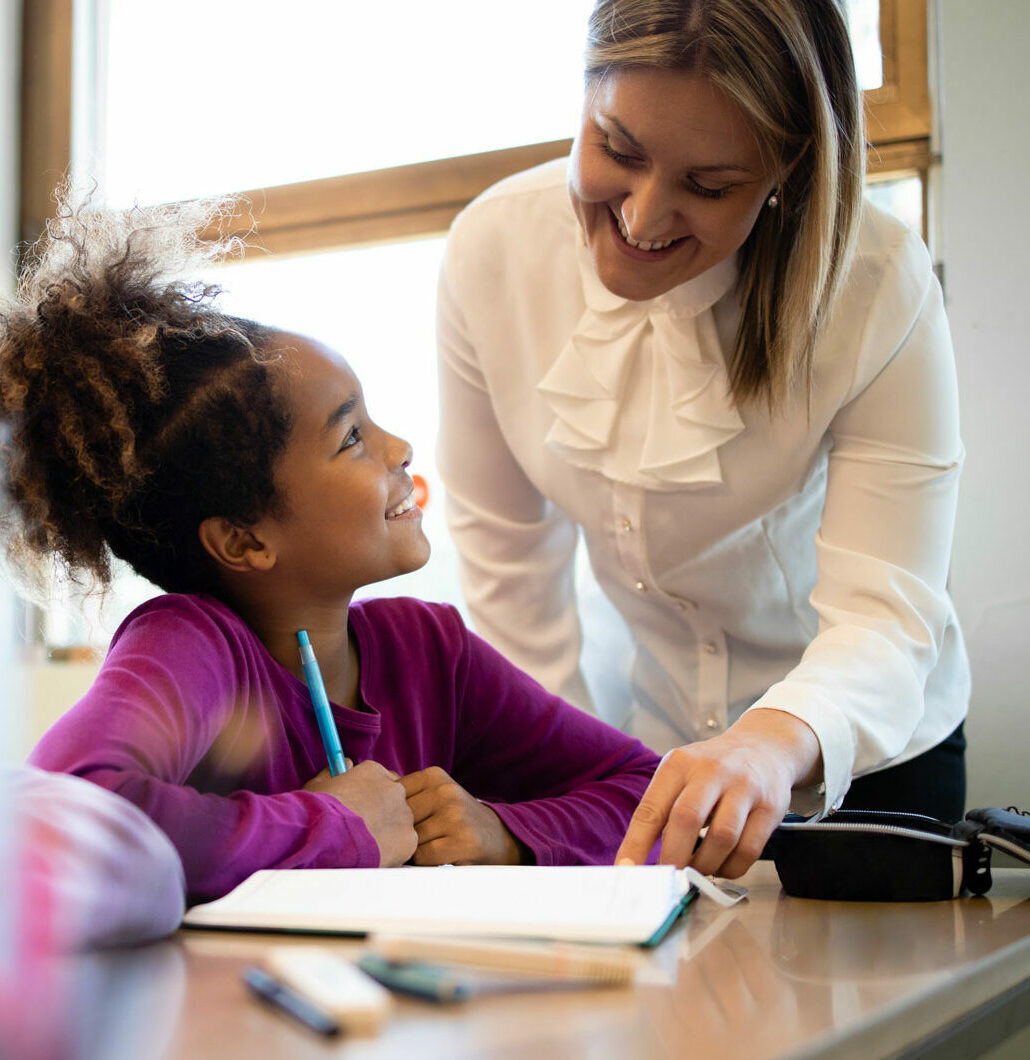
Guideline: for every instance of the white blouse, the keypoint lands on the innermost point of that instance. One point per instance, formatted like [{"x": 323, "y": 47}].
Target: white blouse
[{"x": 796, "y": 561}]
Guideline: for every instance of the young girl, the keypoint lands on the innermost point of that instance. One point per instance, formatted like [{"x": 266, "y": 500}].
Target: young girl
[{"x": 236, "y": 467}]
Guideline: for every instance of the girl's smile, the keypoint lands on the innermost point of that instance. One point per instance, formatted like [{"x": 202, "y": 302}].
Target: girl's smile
[
  {"x": 406, "y": 509},
  {"x": 348, "y": 516}
]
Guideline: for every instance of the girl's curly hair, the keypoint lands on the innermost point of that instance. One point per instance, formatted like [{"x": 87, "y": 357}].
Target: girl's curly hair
[{"x": 131, "y": 409}]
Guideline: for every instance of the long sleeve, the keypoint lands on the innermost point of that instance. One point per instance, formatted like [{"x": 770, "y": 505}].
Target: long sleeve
[
  {"x": 515, "y": 548},
  {"x": 106, "y": 874},
  {"x": 563, "y": 782},
  {"x": 174, "y": 709},
  {"x": 884, "y": 540}
]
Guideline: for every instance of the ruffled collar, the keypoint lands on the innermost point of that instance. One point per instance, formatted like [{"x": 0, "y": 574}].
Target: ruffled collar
[{"x": 640, "y": 390}]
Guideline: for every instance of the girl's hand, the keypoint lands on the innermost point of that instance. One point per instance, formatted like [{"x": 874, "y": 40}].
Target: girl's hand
[
  {"x": 738, "y": 784},
  {"x": 453, "y": 827},
  {"x": 374, "y": 794}
]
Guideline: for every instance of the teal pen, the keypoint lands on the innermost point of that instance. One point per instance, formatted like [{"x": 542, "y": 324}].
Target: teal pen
[
  {"x": 434, "y": 982},
  {"x": 420, "y": 980},
  {"x": 320, "y": 701}
]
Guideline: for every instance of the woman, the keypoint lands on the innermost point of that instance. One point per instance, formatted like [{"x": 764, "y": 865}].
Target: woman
[{"x": 735, "y": 378}]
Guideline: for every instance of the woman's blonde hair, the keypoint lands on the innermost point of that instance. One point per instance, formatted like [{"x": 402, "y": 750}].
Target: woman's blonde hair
[{"x": 788, "y": 65}]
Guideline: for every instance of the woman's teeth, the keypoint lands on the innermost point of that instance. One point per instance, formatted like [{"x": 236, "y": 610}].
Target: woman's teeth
[
  {"x": 640, "y": 245},
  {"x": 405, "y": 506}
]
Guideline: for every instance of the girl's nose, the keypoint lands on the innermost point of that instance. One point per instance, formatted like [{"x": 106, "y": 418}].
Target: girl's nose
[{"x": 399, "y": 452}]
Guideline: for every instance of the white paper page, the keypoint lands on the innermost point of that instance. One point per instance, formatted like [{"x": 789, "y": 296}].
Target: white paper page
[{"x": 587, "y": 903}]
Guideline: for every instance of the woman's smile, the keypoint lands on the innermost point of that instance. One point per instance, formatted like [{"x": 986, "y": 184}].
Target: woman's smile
[
  {"x": 664, "y": 191},
  {"x": 642, "y": 250}
]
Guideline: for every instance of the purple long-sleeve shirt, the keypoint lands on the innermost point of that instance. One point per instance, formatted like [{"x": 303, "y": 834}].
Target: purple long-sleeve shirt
[{"x": 192, "y": 720}]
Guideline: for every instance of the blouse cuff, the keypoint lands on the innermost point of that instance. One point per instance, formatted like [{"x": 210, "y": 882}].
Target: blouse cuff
[{"x": 836, "y": 744}]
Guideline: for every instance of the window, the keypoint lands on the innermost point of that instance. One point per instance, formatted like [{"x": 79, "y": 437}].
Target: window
[
  {"x": 483, "y": 46},
  {"x": 270, "y": 102},
  {"x": 357, "y": 136}
]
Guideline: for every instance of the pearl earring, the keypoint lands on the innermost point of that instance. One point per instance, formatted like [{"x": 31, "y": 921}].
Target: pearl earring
[{"x": 773, "y": 201}]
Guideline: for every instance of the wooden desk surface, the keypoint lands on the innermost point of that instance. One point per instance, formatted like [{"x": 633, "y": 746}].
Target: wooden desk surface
[{"x": 771, "y": 977}]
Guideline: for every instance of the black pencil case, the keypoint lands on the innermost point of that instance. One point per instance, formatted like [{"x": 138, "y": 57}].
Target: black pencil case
[{"x": 873, "y": 856}]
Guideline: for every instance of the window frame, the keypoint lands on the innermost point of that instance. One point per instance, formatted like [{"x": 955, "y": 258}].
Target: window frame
[
  {"x": 46, "y": 110},
  {"x": 423, "y": 198}
]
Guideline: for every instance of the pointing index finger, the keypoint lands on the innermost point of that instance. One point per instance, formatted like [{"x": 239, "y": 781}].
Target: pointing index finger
[{"x": 649, "y": 817}]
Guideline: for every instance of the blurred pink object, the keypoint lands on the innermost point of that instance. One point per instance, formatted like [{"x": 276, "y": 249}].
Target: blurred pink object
[{"x": 83, "y": 868}]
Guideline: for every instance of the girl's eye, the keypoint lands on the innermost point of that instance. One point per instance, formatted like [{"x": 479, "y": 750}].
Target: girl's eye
[
  {"x": 708, "y": 193},
  {"x": 353, "y": 438}
]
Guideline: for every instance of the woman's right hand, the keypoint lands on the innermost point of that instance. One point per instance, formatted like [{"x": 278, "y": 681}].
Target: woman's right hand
[
  {"x": 738, "y": 784},
  {"x": 375, "y": 794}
]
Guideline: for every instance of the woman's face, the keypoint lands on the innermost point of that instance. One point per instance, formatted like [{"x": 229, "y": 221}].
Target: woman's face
[
  {"x": 350, "y": 517},
  {"x": 666, "y": 178}
]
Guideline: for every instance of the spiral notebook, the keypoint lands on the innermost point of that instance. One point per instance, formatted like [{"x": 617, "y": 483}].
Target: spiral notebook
[{"x": 634, "y": 904}]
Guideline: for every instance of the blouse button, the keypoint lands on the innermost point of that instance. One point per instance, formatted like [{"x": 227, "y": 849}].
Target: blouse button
[
  {"x": 640, "y": 587},
  {"x": 711, "y": 723},
  {"x": 710, "y": 647},
  {"x": 627, "y": 524}
]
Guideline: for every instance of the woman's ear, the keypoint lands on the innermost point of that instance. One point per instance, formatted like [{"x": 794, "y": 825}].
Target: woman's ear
[
  {"x": 236, "y": 548},
  {"x": 788, "y": 167}
]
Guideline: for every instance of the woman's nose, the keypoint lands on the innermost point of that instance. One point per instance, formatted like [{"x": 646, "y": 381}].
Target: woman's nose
[{"x": 648, "y": 211}]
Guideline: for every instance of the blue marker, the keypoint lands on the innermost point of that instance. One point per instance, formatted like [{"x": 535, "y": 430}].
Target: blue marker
[
  {"x": 289, "y": 1001},
  {"x": 320, "y": 701}
]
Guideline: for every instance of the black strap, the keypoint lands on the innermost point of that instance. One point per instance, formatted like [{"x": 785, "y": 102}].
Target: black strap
[{"x": 976, "y": 857}]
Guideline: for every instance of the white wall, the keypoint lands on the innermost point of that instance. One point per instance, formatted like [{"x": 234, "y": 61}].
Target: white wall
[{"x": 985, "y": 247}]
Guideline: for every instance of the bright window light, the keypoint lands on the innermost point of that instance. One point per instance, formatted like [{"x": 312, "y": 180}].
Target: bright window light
[
  {"x": 864, "y": 23},
  {"x": 209, "y": 96}
]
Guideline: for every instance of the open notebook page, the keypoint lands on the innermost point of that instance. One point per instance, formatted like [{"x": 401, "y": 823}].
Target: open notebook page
[{"x": 590, "y": 903}]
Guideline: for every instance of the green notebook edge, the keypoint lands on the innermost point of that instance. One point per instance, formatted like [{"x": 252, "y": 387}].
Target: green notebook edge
[{"x": 675, "y": 913}]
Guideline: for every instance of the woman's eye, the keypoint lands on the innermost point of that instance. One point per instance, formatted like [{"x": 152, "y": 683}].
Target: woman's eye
[
  {"x": 706, "y": 192},
  {"x": 353, "y": 438},
  {"x": 618, "y": 156}
]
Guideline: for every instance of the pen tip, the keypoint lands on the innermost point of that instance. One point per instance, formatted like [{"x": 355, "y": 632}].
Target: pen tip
[{"x": 302, "y": 637}]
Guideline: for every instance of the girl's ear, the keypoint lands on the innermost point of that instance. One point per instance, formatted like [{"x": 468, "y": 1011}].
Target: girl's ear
[{"x": 236, "y": 548}]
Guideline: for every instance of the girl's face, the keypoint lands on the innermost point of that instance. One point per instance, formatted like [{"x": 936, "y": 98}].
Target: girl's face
[
  {"x": 349, "y": 507},
  {"x": 666, "y": 178}
]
